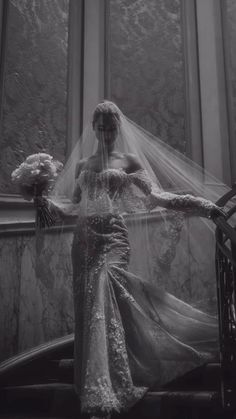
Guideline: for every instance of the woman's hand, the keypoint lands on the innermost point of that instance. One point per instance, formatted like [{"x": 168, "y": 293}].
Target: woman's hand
[
  {"x": 40, "y": 201},
  {"x": 216, "y": 212},
  {"x": 44, "y": 214}
]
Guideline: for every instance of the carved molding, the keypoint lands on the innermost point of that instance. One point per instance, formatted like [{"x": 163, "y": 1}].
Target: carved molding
[{"x": 17, "y": 217}]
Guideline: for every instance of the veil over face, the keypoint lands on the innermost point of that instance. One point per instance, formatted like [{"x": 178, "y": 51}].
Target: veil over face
[{"x": 106, "y": 129}]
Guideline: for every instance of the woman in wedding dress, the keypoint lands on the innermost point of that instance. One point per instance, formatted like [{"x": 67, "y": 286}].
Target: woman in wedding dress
[{"x": 129, "y": 334}]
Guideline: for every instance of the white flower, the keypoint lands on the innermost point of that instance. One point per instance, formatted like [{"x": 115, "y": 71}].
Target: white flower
[{"x": 36, "y": 174}]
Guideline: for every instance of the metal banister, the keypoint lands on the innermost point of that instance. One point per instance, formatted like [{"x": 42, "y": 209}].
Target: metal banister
[{"x": 225, "y": 260}]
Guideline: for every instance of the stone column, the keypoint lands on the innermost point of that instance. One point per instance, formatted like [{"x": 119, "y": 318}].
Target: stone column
[
  {"x": 215, "y": 130},
  {"x": 75, "y": 73},
  {"x": 94, "y": 53}
]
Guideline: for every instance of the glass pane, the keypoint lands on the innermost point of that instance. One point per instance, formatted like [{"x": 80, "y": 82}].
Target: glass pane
[
  {"x": 146, "y": 66},
  {"x": 35, "y": 83}
]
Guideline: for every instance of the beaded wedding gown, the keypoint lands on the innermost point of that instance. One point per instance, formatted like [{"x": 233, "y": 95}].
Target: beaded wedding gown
[{"x": 129, "y": 335}]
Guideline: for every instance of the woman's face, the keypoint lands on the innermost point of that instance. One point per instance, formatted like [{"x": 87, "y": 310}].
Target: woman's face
[{"x": 106, "y": 129}]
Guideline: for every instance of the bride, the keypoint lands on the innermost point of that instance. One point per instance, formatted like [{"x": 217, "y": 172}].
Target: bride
[{"x": 129, "y": 334}]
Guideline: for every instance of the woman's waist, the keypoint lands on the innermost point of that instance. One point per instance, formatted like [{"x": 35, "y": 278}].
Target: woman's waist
[
  {"x": 104, "y": 204},
  {"x": 95, "y": 218},
  {"x": 100, "y": 223}
]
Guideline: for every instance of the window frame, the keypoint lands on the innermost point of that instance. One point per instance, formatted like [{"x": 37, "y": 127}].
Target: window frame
[{"x": 17, "y": 216}]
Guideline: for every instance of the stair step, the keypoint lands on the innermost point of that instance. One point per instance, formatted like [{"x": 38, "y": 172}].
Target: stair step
[
  {"x": 19, "y": 416},
  {"x": 186, "y": 398},
  {"x": 204, "y": 378},
  {"x": 62, "y": 370},
  {"x": 65, "y": 371},
  {"x": 58, "y": 400},
  {"x": 66, "y": 364},
  {"x": 36, "y": 362},
  {"x": 47, "y": 391},
  {"x": 39, "y": 388}
]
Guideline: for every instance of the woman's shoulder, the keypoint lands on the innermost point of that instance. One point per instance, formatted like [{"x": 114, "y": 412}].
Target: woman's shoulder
[
  {"x": 90, "y": 163},
  {"x": 133, "y": 163}
]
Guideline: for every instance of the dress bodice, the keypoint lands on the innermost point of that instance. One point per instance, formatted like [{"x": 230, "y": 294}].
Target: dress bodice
[{"x": 112, "y": 191}]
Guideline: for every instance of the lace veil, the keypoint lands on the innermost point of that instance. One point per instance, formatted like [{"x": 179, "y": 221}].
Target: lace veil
[{"x": 171, "y": 248}]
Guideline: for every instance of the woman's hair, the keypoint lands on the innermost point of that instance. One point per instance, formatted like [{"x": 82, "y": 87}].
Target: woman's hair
[{"x": 108, "y": 108}]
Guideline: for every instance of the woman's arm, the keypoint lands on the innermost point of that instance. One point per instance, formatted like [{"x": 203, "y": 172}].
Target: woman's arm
[
  {"x": 185, "y": 203},
  {"x": 59, "y": 211},
  {"x": 155, "y": 198},
  {"x": 63, "y": 211}
]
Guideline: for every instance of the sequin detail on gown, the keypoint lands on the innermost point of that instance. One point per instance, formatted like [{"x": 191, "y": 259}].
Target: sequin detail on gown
[{"x": 128, "y": 334}]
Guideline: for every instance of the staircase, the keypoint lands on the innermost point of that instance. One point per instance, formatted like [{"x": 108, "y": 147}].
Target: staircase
[{"x": 39, "y": 384}]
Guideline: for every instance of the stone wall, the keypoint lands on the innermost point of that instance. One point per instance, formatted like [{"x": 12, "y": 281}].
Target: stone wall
[{"x": 35, "y": 291}]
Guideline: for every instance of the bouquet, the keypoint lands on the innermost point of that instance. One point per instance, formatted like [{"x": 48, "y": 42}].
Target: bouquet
[{"x": 35, "y": 177}]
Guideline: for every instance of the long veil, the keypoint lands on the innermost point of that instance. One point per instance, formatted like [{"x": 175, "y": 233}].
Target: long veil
[{"x": 172, "y": 249}]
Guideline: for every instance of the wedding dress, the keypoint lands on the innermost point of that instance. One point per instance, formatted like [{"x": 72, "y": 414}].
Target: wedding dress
[{"x": 129, "y": 334}]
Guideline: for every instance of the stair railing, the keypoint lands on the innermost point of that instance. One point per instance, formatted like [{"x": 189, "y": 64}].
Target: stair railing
[{"x": 225, "y": 259}]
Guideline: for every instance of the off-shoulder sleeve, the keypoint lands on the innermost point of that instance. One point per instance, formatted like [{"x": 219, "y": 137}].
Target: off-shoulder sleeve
[
  {"x": 157, "y": 198},
  {"x": 141, "y": 179}
]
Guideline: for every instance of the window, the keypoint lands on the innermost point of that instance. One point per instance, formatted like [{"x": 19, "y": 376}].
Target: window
[
  {"x": 34, "y": 83},
  {"x": 146, "y": 67}
]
